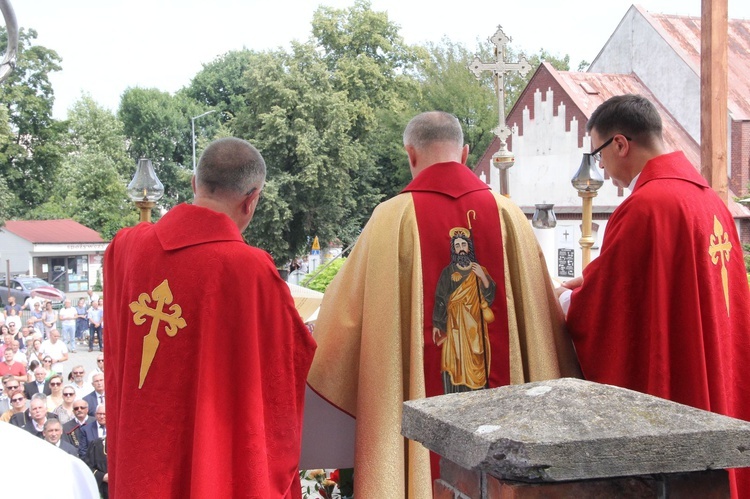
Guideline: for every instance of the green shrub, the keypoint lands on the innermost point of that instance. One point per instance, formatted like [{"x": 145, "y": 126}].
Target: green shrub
[{"x": 320, "y": 281}]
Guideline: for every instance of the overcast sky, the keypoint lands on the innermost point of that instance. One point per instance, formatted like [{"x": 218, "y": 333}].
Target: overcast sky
[{"x": 110, "y": 45}]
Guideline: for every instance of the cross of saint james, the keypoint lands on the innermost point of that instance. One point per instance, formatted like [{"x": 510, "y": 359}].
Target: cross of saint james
[{"x": 163, "y": 296}]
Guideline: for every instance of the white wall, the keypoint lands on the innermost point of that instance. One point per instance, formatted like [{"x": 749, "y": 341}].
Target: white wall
[
  {"x": 547, "y": 157},
  {"x": 17, "y": 250},
  {"x": 636, "y": 47}
]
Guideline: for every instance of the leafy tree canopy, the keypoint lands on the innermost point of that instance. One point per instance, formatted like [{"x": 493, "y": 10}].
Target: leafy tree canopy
[{"x": 30, "y": 151}]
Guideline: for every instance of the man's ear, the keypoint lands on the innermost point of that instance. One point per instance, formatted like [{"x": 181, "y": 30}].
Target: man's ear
[
  {"x": 465, "y": 154},
  {"x": 192, "y": 183},
  {"x": 250, "y": 202},
  {"x": 622, "y": 144},
  {"x": 412, "y": 153}
]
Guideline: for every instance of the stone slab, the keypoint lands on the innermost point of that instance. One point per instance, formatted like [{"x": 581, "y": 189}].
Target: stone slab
[{"x": 570, "y": 429}]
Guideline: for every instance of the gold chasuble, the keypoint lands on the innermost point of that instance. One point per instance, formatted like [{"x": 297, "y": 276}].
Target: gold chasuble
[{"x": 446, "y": 290}]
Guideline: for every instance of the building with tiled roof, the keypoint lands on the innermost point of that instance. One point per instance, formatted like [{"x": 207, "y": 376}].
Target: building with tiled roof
[
  {"x": 648, "y": 54},
  {"x": 64, "y": 253}
]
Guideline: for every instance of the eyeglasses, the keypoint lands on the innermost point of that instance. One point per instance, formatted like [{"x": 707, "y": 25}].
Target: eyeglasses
[
  {"x": 79, "y": 407},
  {"x": 47, "y": 361},
  {"x": 100, "y": 360},
  {"x": 77, "y": 372},
  {"x": 597, "y": 153},
  {"x": 55, "y": 384},
  {"x": 17, "y": 399},
  {"x": 12, "y": 387},
  {"x": 68, "y": 394}
]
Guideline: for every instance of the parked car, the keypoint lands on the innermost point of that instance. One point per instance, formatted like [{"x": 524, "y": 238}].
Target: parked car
[{"x": 22, "y": 286}]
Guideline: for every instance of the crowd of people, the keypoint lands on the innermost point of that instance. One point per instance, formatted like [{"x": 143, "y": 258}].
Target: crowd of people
[{"x": 66, "y": 410}]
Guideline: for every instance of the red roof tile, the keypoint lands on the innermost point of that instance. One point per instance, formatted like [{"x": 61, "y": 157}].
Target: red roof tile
[{"x": 52, "y": 231}]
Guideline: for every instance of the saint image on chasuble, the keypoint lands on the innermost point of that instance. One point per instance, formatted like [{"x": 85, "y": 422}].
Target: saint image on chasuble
[{"x": 461, "y": 315}]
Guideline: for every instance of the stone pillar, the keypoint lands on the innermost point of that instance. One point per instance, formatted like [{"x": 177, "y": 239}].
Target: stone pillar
[{"x": 573, "y": 438}]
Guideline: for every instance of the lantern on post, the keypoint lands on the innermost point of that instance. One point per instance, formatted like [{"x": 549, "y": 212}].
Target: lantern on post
[{"x": 145, "y": 189}]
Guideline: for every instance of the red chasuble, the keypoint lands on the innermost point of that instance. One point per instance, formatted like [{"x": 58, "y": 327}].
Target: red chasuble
[
  {"x": 206, "y": 363},
  {"x": 665, "y": 308}
]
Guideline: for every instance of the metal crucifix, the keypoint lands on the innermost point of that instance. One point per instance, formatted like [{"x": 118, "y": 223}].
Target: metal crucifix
[{"x": 503, "y": 159}]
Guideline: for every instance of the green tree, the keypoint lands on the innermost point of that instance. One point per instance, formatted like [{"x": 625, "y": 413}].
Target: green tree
[
  {"x": 157, "y": 126},
  {"x": 328, "y": 117},
  {"x": 221, "y": 83},
  {"x": 302, "y": 125},
  {"x": 90, "y": 185},
  {"x": 448, "y": 85},
  {"x": 30, "y": 150},
  {"x": 369, "y": 60}
]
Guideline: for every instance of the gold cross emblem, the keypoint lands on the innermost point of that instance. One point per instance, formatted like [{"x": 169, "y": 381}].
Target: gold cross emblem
[
  {"x": 162, "y": 295},
  {"x": 719, "y": 248}
]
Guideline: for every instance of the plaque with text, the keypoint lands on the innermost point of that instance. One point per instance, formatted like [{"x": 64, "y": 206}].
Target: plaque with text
[{"x": 566, "y": 262}]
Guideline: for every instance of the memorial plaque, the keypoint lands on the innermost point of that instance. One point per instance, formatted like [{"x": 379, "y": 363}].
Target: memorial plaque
[{"x": 566, "y": 262}]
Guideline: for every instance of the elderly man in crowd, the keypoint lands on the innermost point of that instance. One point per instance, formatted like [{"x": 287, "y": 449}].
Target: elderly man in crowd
[
  {"x": 81, "y": 386},
  {"x": 99, "y": 369},
  {"x": 96, "y": 397},
  {"x": 39, "y": 385},
  {"x": 92, "y": 431},
  {"x": 53, "y": 432},
  {"x": 72, "y": 428},
  {"x": 38, "y": 416}
]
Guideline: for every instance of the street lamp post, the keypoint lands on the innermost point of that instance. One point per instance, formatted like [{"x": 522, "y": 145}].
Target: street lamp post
[{"x": 192, "y": 123}]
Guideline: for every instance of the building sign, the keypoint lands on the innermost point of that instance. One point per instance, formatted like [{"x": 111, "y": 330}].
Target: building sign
[
  {"x": 566, "y": 262},
  {"x": 70, "y": 248}
]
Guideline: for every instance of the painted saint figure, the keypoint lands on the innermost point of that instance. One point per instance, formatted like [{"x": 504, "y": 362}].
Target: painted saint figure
[{"x": 460, "y": 317}]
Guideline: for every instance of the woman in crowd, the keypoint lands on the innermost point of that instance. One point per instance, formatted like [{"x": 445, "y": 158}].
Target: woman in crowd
[
  {"x": 17, "y": 404},
  {"x": 34, "y": 353},
  {"x": 30, "y": 371},
  {"x": 49, "y": 318},
  {"x": 56, "y": 398},
  {"x": 35, "y": 318},
  {"x": 47, "y": 365},
  {"x": 65, "y": 410}
]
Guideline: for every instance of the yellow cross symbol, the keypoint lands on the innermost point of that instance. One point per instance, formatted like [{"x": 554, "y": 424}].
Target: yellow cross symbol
[
  {"x": 162, "y": 295},
  {"x": 719, "y": 249}
]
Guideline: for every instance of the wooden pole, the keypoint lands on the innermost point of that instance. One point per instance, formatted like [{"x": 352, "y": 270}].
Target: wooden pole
[{"x": 714, "y": 95}]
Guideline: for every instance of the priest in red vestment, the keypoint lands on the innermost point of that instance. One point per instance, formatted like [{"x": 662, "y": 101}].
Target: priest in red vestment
[
  {"x": 446, "y": 290},
  {"x": 206, "y": 354},
  {"x": 665, "y": 308}
]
